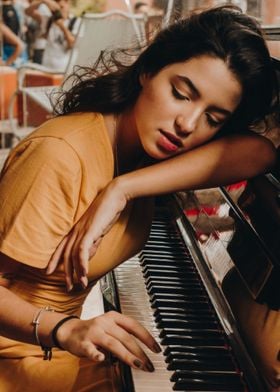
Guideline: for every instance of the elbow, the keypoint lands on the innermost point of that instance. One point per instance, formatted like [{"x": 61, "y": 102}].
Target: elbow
[{"x": 20, "y": 47}]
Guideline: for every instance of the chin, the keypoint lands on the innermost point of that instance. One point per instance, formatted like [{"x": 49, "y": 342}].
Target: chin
[{"x": 159, "y": 155}]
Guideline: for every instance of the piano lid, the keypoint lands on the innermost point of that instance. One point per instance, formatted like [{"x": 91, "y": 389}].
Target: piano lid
[{"x": 240, "y": 226}]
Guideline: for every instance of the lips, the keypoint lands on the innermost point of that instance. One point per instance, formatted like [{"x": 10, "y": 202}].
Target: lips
[{"x": 169, "y": 142}]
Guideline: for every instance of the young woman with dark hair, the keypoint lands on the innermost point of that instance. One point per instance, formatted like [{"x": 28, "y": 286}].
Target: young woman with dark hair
[{"x": 188, "y": 100}]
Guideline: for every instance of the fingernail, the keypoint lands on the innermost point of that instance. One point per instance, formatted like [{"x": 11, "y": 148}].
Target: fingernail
[
  {"x": 100, "y": 357},
  {"x": 84, "y": 281},
  {"x": 156, "y": 348},
  {"x": 137, "y": 363},
  {"x": 150, "y": 367},
  {"x": 69, "y": 287}
]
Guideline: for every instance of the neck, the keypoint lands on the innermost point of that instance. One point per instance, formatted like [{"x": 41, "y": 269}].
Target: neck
[{"x": 125, "y": 142}]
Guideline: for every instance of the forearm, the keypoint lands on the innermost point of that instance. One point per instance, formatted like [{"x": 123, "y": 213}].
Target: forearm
[
  {"x": 69, "y": 37},
  {"x": 32, "y": 10},
  {"x": 16, "y": 315},
  {"x": 217, "y": 163}
]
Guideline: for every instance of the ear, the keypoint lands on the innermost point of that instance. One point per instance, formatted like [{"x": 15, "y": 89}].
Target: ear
[{"x": 143, "y": 78}]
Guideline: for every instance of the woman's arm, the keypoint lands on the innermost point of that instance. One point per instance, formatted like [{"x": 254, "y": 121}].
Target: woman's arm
[
  {"x": 14, "y": 40},
  {"x": 69, "y": 37},
  {"x": 33, "y": 11},
  {"x": 220, "y": 162},
  {"x": 112, "y": 331}
]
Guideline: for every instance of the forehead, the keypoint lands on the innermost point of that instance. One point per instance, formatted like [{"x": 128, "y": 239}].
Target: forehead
[{"x": 210, "y": 76}]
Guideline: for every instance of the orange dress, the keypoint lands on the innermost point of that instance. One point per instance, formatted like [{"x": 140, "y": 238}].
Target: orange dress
[{"x": 47, "y": 183}]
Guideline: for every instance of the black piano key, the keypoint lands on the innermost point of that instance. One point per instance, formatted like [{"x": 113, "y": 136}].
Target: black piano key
[
  {"x": 179, "y": 303},
  {"x": 154, "y": 272},
  {"x": 174, "y": 280},
  {"x": 197, "y": 323},
  {"x": 190, "y": 290},
  {"x": 188, "y": 293},
  {"x": 170, "y": 244},
  {"x": 154, "y": 259},
  {"x": 192, "y": 311},
  {"x": 191, "y": 331},
  {"x": 164, "y": 251},
  {"x": 206, "y": 353},
  {"x": 204, "y": 349},
  {"x": 191, "y": 318},
  {"x": 162, "y": 267},
  {"x": 180, "y": 264},
  {"x": 192, "y": 340},
  {"x": 202, "y": 364},
  {"x": 153, "y": 289},
  {"x": 206, "y": 381}
]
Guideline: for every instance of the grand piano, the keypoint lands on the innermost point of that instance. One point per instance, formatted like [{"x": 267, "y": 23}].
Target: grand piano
[{"x": 177, "y": 286}]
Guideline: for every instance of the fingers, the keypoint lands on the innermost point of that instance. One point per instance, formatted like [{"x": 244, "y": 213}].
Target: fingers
[
  {"x": 92, "y": 338},
  {"x": 93, "y": 353},
  {"x": 125, "y": 347},
  {"x": 81, "y": 257},
  {"x": 135, "y": 328},
  {"x": 118, "y": 338},
  {"x": 68, "y": 264},
  {"x": 56, "y": 257}
]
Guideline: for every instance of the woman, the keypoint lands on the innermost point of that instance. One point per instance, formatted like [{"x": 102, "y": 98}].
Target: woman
[
  {"x": 14, "y": 41},
  {"x": 58, "y": 27},
  {"x": 204, "y": 76}
]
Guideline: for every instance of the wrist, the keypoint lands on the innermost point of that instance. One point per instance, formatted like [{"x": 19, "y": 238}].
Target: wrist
[
  {"x": 62, "y": 330},
  {"x": 42, "y": 327},
  {"x": 126, "y": 186}
]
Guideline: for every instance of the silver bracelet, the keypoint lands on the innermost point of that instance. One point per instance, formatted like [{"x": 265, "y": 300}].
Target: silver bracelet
[{"x": 36, "y": 322}]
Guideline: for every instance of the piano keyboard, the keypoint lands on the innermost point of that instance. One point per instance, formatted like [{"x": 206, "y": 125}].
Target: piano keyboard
[{"x": 162, "y": 289}]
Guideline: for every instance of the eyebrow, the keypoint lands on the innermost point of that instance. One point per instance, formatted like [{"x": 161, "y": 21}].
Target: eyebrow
[{"x": 197, "y": 94}]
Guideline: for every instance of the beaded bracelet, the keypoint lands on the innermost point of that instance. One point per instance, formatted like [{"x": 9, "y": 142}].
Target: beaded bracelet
[
  {"x": 58, "y": 325},
  {"x": 36, "y": 322}
]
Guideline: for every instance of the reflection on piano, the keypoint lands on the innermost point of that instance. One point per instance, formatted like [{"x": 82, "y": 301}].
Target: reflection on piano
[{"x": 175, "y": 287}]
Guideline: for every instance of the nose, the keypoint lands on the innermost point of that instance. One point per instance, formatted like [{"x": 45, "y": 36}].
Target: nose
[{"x": 187, "y": 123}]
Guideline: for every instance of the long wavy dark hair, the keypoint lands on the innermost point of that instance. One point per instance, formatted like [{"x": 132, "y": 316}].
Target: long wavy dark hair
[{"x": 112, "y": 84}]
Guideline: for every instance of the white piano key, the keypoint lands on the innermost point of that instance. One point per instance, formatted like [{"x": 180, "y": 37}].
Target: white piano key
[{"x": 134, "y": 302}]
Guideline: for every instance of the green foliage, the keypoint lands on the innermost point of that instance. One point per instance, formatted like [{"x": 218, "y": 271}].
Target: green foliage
[{"x": 81, "y": 6}]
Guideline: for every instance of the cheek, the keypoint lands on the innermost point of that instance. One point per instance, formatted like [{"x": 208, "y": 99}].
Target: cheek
[
  {"x": 199, "y": 138},
  {"x": 154, "y": 97}
]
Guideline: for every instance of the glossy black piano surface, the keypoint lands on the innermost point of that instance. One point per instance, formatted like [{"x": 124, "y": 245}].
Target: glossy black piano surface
[
  {"x": 244, "y": 231},
  {"x": 196, "y": 240}
]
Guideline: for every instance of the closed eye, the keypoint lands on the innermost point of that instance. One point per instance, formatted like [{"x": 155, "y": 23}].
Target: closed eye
[
  {"x": 212, "y": 122},
  {"x": 178, "y": 95}
]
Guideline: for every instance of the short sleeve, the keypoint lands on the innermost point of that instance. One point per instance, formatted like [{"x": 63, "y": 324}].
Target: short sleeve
[{"x": 39, "y": 192}]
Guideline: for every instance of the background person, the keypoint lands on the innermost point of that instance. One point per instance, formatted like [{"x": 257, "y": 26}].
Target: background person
[
  {"x": 195, "y": 82},
  {"x": 12, "y": 18},
  {"x": 14, "y": 41},
  {"x": 59, "y": 29}
]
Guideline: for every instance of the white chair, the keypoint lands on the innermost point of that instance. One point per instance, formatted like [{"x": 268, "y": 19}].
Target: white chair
[
  {"x": 97, "y": 32},
  {"x": 4, "y": 152}
]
